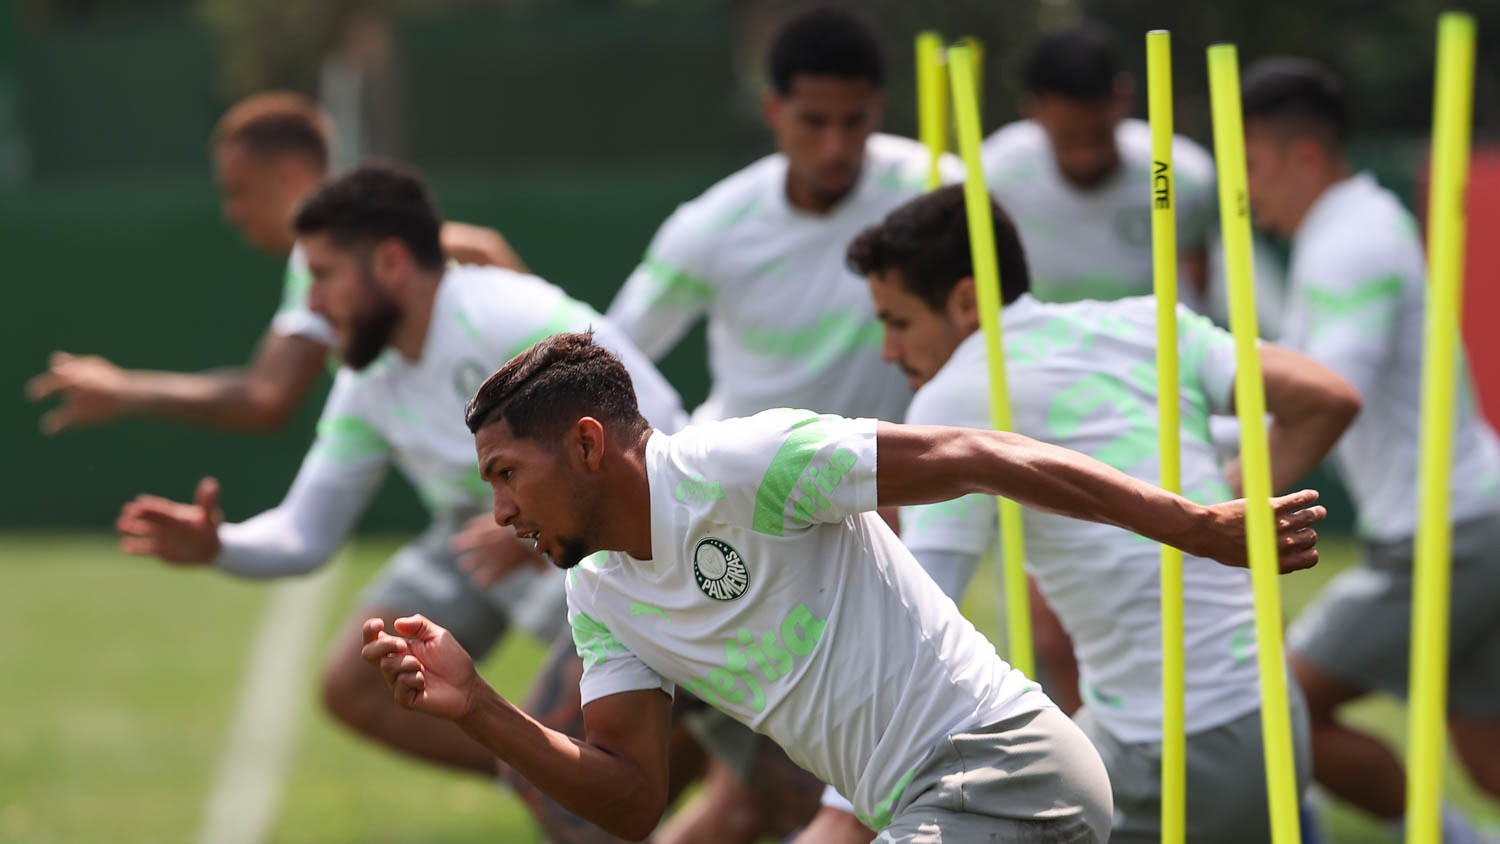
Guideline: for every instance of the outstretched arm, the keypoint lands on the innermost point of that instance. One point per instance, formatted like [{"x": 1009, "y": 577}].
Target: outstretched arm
[
  {"x": 921, "y": 464},
  {"x": 616, "y": 779},
  {"x": 259, "y": 396}
]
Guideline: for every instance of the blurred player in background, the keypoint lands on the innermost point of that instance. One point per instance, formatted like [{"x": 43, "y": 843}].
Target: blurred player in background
[
  {"x": 1083, "y": 376},
  {"x": 761, "y": 255},
  {"x": 1358, "y": 277},
  {"x": 270, "y": 152},
  {"x": 416, "y": 340}
]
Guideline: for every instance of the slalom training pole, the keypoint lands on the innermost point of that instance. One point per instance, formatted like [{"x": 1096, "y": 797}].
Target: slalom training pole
[
  {"x": 1169, "y": 431},
  {"x": 987, "y": 288},
  {"x": 932, "y": 102},
  {"x": 1427, "y": 709},
  {"x": 1250, "y": 401}
]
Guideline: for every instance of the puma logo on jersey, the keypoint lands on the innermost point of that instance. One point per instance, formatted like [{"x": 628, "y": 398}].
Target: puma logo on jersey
[
  {"x": 818, "y": 482},
  {"x": 695, "y": 488},
  {"x": 751, "y": 661}
]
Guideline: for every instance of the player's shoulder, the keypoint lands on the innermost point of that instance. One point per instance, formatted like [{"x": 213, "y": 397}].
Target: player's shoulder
[
  {"x": 900, "y": 164},
  {"x": 730, "y": 200},
  {"x": 1019, "y": 138},
  {"x": 1357, "y": 231},
  {"x": 482, "y": 289},
  {"x": 1189, "y": 159}
]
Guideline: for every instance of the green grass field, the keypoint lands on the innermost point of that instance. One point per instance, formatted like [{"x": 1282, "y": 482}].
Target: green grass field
[{"x": 121, "y": 678}]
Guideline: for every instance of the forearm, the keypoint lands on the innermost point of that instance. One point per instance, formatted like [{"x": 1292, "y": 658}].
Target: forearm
[
  {"x": 268, "y": 546},
  {"x": 220, "y": 398},
  {"x": 606, "y": 789}
]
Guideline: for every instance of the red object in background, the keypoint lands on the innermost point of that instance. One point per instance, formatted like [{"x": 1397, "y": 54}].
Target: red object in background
[{"x": 1481, "y": 305}]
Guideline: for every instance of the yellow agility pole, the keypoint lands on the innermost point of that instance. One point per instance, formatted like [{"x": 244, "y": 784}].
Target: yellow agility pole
[
  {"x": 987, "y": 286},
  {"x": 932, "y": 102},
  {"x": 1169, "y": 432},
  {"x": 1255, "y": 463},
  {"x": 1427, "y": 710},
  {"x": 976, "y": 60}
]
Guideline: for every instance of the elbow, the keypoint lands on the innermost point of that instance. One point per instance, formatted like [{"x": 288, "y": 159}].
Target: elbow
[
  {"x": 1344, "y": 404},
  {"x": 641, "y": 818},
  {"x": 267, "y": 411}
]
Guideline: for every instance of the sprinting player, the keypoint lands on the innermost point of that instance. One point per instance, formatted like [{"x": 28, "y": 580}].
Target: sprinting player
[
  {"x": 779, "y": 596},
  {"x": 1356, "y": 305},
  {"x": 417, "y": 340},
  {"x": 760, "y": 254},
  {"x": 270, "y": 152},
  {"x": 1082, "y": 375},
  {"x": 1077, "y": 175}
]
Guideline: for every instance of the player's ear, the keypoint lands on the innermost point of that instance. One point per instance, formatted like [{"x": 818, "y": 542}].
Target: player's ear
[
  {"x": 771, "y": 109},
  {"x": 386, "y": 261},
  {"x": 1123, "y": 94},
  {"x": 588, "y": 438},
  {"x": 963, "y": 305}
]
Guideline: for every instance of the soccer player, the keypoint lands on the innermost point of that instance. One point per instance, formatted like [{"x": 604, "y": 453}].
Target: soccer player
[
  {"x": 417, "y": 339},
  {"x": 1083, "y": 375},
  {"x": 760, "y": 254},
  {"x": 1356, "y": 305},
  {"x": 1076, "y": 174},
  {"x": 743, "y": 561},
  {"x": 270, "y": 152}
]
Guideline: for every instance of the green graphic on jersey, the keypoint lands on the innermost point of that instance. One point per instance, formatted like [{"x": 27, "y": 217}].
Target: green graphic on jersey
[
  {"x": 885, "y": 809},
  {"x": 467, "y": 377},
  {"x": 719, "y": 570},
  {"x": 1242, "y": 643},
  {"x": 673, "y": 288},
  {"x": 786, "y": 467},
  {"x": 638, "y": 608},
  {"x": 348, "y": 438},
  {"x": 698, "y": 489},
  {"x": 294, "y": 288},
  {"x": 593, "y": 640},
  {"x": 1097, "y": 695},
  {"x": 835, "y": 335},
  {"x": 774, "y": 656},
  {"x": 1369, "y": 306}
]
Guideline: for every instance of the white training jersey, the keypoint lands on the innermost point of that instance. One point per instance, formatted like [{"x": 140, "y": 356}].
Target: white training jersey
[
  {"x": 1083, "y": 375},
  {"x": 411, "y": 413},
  {"x": 774, "y": 594},
  {"x": 1358, "y": 279},
  {"x": 789, "y": 325},
  {"x": 293, "y": 317},
  {"x": 1095, "y": 244}
]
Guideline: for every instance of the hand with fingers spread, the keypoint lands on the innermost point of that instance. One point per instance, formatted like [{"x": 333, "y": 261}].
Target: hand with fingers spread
[
  {"x": 1296, "y": 540},
  {"x": 426, "y": 668},
  {"x": 92, "y": 391},
  {"x": 175, "y": 532},
  {"x": 488, "y": 553}
]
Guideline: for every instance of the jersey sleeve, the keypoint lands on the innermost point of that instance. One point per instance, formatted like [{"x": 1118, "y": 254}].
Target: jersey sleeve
[
  {"x": 1346, "y": 308},
  {"x": 609, "y": 668},
  {"x": 293, "y": 317},
  {"x": 342, "y": 470},
  {"x": 784, "y": 470},
  {"x": 670, "y": 289},
  {"x": 1207, "y": 352}
]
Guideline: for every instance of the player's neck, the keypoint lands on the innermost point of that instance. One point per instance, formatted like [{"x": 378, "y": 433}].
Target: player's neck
[
  {"x": 410, "y": 335},
  {"x": 627, "y": 522},
  {"x": 804, "y": 198},
  {"x": 1325, "y": 178}
]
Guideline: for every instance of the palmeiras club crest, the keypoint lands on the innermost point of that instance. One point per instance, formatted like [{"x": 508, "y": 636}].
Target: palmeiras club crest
[{"x": 719, "y": 570}]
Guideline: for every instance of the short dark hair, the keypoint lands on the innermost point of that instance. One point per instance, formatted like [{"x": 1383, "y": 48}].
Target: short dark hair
[
  {"x": 825, "y": 41},
  {"x": 276, "y": 123},
  {"x": 927, "y": 241},
  {"x": 1080, "y": 62},
  {"x": 552, "y": 385},
  {"x": 372, "y": 203},
  {"x": 1299, "y": 93}
]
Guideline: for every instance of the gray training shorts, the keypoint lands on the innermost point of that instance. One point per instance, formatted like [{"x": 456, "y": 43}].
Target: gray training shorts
[
  {"x": 423, "y": 577},
  {"x": 1358, "y": 629},
  {"x": 1028, "y": 779},
  {"x": 1226, "y": 780}
]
